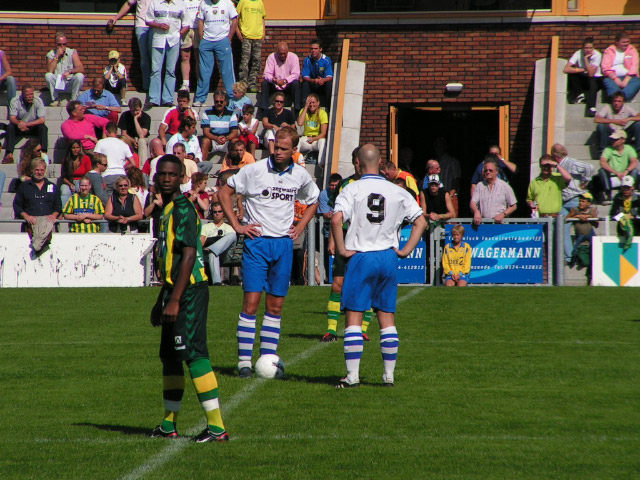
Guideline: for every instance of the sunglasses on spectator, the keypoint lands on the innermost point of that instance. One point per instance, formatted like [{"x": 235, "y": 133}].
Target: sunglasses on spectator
[
  {"x": 62, "y": 44},
  {"x": 124, "y": 185},
  {"x": 104, "y": 164},
  {"x": 219, "y": 101},
  {"x": 217, "y": 211},
  {"x": 278, "y": 101}
]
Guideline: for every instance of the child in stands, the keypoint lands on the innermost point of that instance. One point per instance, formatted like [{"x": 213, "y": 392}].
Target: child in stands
[
  {"x": 456, "y": 259},
  {"x": 248, "y": 128}
]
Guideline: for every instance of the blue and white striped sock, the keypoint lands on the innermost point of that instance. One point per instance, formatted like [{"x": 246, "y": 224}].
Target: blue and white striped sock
[
  {"x": 353, "y": 346},
  {"x": 269, "y": 334},
  {"x": 246, "y": 335},
  {"x": 389, "y": 348}
]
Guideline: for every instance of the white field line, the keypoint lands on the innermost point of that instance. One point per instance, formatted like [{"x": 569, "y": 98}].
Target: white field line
[{"x": 176, "y": 446}]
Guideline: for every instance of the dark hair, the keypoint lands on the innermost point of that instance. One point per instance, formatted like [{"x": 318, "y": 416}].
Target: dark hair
[
  {"x": 97, "y": 159},
  {"x": 617, "y": 94},
  {"x": 135, "y": 102},
  {"x": 248, "y": 108},
  {"x": 198, "y": 177},
  {"x": 71, "y": 106},
  {"x": 335, "y": 177},
  {"x": 316, "y": 41},
  {"x": 67, "y": 163},
  {"x": 183, "y": 94},
  {"x": 26, "y": 155},
  {"x": 169, "y": 158},
  {"x": 587, "y": 40},
  {"x": 186, "y": 122},
  {"x": 111, "y": 127},
  {"x": 622, "y": 35},
  {"x": 354, "y": 154}
]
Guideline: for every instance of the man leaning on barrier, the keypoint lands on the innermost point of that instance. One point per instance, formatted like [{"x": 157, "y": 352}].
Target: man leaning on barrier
[{"x": 492, "y": 198}]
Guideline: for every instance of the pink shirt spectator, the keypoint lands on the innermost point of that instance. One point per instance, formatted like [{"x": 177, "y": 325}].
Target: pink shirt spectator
[
  {"x": 73, "y": 130},
  {"x": 289, "y": 70},
  {"x": 630, "y": 61}
]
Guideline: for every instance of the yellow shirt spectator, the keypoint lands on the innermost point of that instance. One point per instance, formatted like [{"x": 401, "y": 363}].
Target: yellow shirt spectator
[
  {"x": 312, "y": 122},
  {"x": 251, "y": 14}
]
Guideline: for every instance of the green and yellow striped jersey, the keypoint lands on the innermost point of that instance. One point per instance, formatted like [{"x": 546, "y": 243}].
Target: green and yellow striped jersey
[
  {"x": 76, "y": 205},
  {"x": 179, "y": 228}
]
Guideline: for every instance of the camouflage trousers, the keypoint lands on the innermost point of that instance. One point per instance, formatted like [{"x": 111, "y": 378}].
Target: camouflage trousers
[{"x": 251, "y": 50}]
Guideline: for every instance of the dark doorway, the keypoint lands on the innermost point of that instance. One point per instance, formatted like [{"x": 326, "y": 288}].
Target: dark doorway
[{"x": 469, "y": 134}]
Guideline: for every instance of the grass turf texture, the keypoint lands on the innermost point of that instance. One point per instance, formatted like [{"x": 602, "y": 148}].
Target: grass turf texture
[{"x": 490, "y": 383}]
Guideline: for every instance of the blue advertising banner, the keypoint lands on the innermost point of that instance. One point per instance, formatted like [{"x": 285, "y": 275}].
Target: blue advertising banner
[
  {"x": 412, "y": 269},
  {"x": 509, "y": 253}
]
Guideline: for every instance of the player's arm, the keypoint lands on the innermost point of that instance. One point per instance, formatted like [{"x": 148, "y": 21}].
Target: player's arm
[
  {"x": 338, "y": 235},
  {"x": 446, "y": 262},
  {"x": 419, "y": 225},
  {"x": 224, "y": 197},
  {"x": 296, "y": 230},
  {"x": 171, "y": 309}
]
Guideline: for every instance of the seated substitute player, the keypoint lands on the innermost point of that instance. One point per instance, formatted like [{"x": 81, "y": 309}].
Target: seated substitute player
[
  {"x": 182, "y": 307},
  {"x": 375, "y": 210},
  {"x": 456, "y": 259},
  {"x": 269, "y": 190},
  {"x": 339, "y": 264}
]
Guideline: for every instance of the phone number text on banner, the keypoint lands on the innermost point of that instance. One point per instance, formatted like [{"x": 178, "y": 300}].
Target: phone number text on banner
[{"x": 509, "y": 253}]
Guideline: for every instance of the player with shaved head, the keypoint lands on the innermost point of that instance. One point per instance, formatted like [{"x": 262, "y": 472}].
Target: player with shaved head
[{"x": 375, "y": 210}]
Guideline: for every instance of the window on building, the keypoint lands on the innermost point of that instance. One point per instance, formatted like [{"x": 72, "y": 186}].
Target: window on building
[{"x": 400, "y": 6}]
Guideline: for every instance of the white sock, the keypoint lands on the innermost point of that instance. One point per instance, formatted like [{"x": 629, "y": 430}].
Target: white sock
[
  {"x": 389, "y": 350},
  {"x": 353, "y": 346}
]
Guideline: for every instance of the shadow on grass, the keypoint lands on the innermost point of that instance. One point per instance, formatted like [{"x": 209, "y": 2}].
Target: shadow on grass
[
  {"x": 116, "y": 428},
  {"x": 326, "y": 380}
]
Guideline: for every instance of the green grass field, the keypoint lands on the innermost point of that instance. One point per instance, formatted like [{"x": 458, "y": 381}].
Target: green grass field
[{"x": 491, "y": 383}]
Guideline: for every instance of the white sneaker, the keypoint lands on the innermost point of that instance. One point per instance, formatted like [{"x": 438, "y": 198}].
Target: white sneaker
[
  {"x": 580, "y": 98},
  {"x": 124, "y": 103}
]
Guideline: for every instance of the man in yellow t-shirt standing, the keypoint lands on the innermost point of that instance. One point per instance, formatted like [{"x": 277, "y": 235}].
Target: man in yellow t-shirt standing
[
  {"x": 315, "y": 122},
  {"x": 251, "y": 14}
]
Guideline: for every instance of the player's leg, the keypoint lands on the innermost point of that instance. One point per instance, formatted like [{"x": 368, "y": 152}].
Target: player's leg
[
  {"x": 333, "y": 309},
  {"x": 333, "y": 306},
  {"x": 356, "y": 299},
  {"x": 353, "y": 347},
  {"x": 463, "y": 280},
  {"x": 277, "y": 286},
  {"x": 206, "y": 385},
  {"x": 172, "y": 391},
  {"x": 388, "y": 346},
  {"x": 384, "y": 299},
  {"x": 254, "y": 268}
]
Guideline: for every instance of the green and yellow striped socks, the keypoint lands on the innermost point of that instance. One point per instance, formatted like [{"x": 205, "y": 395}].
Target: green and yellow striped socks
[{"x": 206, "y": 385}]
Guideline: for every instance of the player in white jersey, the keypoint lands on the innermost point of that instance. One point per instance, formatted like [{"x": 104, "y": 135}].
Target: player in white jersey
[
  {"x": 376, "y": 210},
  {"x": 269, "y": 190}
]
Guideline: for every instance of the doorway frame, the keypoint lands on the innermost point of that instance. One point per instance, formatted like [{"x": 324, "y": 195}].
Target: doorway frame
[{"x": 503, "y": 118}]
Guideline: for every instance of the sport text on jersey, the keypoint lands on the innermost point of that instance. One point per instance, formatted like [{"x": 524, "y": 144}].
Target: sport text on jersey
[{"x": 280, "y": 193}]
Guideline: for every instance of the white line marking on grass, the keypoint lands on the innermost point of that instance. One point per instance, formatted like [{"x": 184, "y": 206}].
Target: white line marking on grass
[{"x": 176, "y": 446}]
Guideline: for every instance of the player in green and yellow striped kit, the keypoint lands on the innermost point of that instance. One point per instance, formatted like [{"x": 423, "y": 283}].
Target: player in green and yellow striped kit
[
  {"x": 339, "y": 266},
  {"x": 182, "y": 307}
]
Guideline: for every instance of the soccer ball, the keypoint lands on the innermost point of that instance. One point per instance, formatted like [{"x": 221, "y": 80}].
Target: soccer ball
[{"x": 270, "y": 366}]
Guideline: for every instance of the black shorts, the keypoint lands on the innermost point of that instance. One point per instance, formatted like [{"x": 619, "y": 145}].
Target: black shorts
[
  {"x": 339, "y": 265},
  {"x": 186, "y": 339}
]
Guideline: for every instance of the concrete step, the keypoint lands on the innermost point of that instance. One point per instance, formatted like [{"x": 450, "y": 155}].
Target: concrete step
[
  {"x": 579, "y": 137},
  {"x": 582, "y": 123}
]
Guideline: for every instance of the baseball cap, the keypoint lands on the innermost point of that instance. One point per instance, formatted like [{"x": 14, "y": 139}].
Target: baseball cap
[
  {"x": 628, "y": 181},
  {"x": 618, "y": 134},
  {"x": 434, "y": 179},
  {"x": 114, "y": 54},
  {"x": 587, "y": 196}
]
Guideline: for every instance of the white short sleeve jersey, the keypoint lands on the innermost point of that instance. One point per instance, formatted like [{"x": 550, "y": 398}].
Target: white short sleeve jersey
[
  {"x": 217, "y": 18},
  {"x": 116, "y": 152},
  {"x": 269, "y": 195},
  {"x": 375, "y": 209}
]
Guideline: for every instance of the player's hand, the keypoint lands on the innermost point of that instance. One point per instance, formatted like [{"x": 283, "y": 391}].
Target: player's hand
[
  {"x": 251, "y": 230},
  {"x": 170, "y": 312},
  {"x": 347, "y": 253},
  {"x": 477, "y": 218},
  {"x": 434, "y": 217},
  {"x": 402, "y": 253},
  {"x": 499, "y": 218},
  {"x": 156, "y": 315},
  {"x": 51, "y": 218}
]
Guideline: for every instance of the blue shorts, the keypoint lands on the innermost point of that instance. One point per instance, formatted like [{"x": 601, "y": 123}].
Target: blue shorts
[
  {"x": 266, "y": 265},
  {"x": 463, "y": 276},
  {"x": 371, "y": 281}
]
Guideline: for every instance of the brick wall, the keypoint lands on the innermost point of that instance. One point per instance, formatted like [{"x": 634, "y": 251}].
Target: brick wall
[{"x": 407, "y": 64}]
